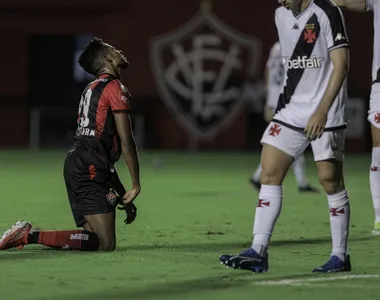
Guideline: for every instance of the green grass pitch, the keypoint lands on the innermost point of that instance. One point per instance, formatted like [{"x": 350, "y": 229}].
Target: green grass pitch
[{"x": 192, "y": 208}]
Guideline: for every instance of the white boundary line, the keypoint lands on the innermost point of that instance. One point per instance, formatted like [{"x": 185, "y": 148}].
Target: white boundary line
[{"x": 308, "y": 281}]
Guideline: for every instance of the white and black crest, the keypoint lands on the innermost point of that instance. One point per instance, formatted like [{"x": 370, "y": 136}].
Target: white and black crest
[{"x": 201, "y": 70}]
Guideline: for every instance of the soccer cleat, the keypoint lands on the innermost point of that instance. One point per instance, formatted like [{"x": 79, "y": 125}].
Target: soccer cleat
[
  {"x": 308, "y": 189},
  {"x": 16, "y": 236},
  {"x": 376, "y": 229},
  {"x": 247, "y": 260},
  {"x": 255, "y": 184},
  {"x": 335, "y": 264}
]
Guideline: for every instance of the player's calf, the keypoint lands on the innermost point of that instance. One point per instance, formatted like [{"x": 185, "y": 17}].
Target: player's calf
[
  {"x": 21, "y": 234},
  {"x": 331, "y": 178},
  {"x": 66, "y": 239},
  {"x": 374, "y": 177}
]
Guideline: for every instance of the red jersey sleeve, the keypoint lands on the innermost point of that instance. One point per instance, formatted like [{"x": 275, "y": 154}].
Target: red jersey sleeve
[{"x": 118, "y": 96}]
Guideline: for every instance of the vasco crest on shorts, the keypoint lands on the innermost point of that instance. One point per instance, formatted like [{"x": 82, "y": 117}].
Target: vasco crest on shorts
[{"x": 111, "y": 198}]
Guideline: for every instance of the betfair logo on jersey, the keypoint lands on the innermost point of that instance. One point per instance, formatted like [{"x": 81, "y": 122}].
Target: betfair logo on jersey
[{"x": 303, "y": 62}]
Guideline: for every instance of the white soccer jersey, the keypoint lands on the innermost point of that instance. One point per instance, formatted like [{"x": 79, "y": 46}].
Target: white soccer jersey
[
  {"x": 306, "y": 41},
  {"x": 276, "y": 75},
  {"x": 374, "y": 5}
]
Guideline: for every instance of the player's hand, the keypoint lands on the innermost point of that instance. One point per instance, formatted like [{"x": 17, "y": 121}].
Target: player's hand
[
  {"x": 131, "y": 211},
  {"x": 316, "y": 125},
  {"x": 131, "y": 195}
]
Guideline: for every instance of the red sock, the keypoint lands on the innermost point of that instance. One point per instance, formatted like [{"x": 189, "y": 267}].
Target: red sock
[{"x": 69, "y": 239}]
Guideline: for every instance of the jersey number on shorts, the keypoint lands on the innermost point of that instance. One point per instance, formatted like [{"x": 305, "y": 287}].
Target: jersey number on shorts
[{"x": 84, "y": 106}]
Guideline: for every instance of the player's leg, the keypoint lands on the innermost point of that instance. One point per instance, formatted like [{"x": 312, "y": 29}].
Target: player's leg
[
  {"x": 21, "y": 233},
  {"x": 255, "y": 178},
  {"x": 329, "y": 157},
  {"x": 299, "y": 169},
  {"x": 374, "y": 173},
  {"x": 104, "y": 226},
  {"x": 277, "y": 156}
]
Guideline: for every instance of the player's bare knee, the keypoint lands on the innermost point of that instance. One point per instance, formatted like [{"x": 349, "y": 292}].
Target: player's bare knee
[
  {"x": 331, "y": 184},
  {"x": 270, "y": 177},
  {"x": 107, "y": 244}
]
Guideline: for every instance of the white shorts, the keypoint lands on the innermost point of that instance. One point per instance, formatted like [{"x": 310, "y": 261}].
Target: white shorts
[
  {"x": 294, "y": 143},
  {"x": 374, "y": 106}
]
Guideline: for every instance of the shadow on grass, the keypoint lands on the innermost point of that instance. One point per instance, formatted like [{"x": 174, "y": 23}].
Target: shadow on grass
[
  {"x": 37, "y": 253},
  {"x": 180, "y": 289},
  {"x": 47, "y": 253},
  {"x": 217, "y": 246}
]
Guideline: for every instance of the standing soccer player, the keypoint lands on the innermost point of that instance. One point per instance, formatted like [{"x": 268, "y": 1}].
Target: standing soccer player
[
  {"x": 274, "y": 81},
  {"x": 374, "y": 105},
  {"x": 311, "y": 109},
  {"x": 104, "y": 134}
]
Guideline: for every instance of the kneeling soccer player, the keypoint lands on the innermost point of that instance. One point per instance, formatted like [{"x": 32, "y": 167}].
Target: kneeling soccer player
[
  {"x": 103, "y": 134},
  {"x": 311, "y": 109}
]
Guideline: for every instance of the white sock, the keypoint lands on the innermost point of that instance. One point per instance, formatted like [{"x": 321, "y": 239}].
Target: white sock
[
  {"x": 257, "y": 173},
  {"x": 374, "y": 179},
  {"x": 299, "y": 169},
  {"x": 339, "y": 222},
  {"x": 267, "y": 211}
]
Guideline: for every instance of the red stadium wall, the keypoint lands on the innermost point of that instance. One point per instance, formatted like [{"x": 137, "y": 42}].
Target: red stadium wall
[{"x": 130, "y": 25}]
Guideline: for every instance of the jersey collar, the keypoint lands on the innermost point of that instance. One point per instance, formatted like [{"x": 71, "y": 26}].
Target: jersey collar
[
  {"x": 299, "y": 15},
  {"x": 104, "y": 75}
]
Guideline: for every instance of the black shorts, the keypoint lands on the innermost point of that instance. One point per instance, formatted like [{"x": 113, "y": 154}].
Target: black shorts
[{"x": 88, "y": 186}]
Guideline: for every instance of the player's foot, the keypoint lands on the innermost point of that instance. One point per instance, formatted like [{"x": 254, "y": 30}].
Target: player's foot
[
  {"x": 308, "y": 189},
  {"x": 255, "y": 184},
  {"x": 335, "y": 264},
  {"x": 16, "y": 236},
  {"x": 247, "y": 260},
  {"x": 376, "y": 229}
]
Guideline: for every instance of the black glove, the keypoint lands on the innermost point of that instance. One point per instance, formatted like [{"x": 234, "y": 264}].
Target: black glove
[{"x": 131, "y": 211}]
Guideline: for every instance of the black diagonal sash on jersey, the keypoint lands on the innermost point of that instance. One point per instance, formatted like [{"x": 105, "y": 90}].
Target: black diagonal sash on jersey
[{"x": 303, "y": 48}]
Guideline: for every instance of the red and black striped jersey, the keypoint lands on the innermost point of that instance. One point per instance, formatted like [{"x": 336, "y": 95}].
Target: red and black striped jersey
[{"x": 96, "y": 132}]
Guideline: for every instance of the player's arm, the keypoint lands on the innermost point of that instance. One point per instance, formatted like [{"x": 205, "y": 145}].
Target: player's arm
[
  {"x": 128, "y": 148},
  {"x": 268, "y": 111},
  {"x": 340, "y": 60},
  {"x": 334, "y": 32},
  {"x": 354, "y": 5},
  {"x": 119, "y": 103},
  {"x": 117, "y": 184}
]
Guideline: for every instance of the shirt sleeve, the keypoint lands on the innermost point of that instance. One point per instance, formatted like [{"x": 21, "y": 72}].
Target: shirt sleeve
[
  {"x": 117, "y": 97},
  {"x": 335, "y": 29},
  {"x": 370, "y": 4}
]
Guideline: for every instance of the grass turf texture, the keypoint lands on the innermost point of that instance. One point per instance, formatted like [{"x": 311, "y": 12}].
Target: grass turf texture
[{"x": 192, "y": 209}]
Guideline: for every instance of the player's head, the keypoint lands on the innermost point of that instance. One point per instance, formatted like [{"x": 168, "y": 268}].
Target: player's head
[
  {"x": 99, "y": 56},
  {"x": 294, "y": 5}
]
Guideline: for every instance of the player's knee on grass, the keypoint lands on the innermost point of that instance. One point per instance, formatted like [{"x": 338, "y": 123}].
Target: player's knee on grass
[
  {"x": 275, "y": 164},
  {"x": 330, "y": 174},
  {"x": 107, "y": 244},
  {"x": 104, "y": 226}
]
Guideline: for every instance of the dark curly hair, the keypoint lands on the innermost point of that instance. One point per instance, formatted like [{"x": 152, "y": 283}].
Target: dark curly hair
[{"x": 91, "y": 57}]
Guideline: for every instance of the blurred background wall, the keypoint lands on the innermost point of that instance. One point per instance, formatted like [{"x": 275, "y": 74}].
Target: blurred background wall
[{"x": 195, "y": 76}]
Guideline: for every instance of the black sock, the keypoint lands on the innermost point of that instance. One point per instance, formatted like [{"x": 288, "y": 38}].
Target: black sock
[{"x": 33, "y": 237}]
